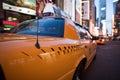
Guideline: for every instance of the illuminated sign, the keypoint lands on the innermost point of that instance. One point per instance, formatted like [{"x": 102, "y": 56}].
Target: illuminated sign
[
  {"x": 12, "y": 23},
  {"x": 18, "y": 9},
  {"x": 8, "y": 26},
  {"x": 22, "y": 6},
  {"x": 78, "y": 11},
  {"x": 85, "y": 10}
]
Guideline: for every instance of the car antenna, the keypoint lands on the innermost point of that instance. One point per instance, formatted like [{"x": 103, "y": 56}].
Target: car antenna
[{"x": 37, "y": 45}]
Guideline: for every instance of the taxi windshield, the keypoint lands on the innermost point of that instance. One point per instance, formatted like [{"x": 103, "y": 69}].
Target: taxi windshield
[{"x": 46, "y": 27}]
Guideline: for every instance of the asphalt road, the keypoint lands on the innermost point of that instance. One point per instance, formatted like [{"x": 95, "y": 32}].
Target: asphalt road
[{"x": 106, "y": 66}]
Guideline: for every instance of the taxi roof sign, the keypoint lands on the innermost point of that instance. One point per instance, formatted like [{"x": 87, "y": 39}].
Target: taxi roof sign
[{"x": 52, "y": 10}]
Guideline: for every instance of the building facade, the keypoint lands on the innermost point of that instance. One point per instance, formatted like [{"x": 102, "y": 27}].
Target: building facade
[
  {"x": 81, "y": 11},
  {"x": 92, "y": 18},
  {"x": 117, "y": 18},
  {"x": 1, "y": 14},
  {"x": 105, "y": 17}
]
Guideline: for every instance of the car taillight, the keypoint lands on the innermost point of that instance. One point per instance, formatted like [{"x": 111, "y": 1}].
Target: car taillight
[
  {"x": 103, "y": 40},
  {"x": 2, "y": 76},
  {"x": 94, "y": 41}
]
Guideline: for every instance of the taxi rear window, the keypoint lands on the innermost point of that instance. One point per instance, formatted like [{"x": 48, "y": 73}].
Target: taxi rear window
[{"x": 46, "y": 27}]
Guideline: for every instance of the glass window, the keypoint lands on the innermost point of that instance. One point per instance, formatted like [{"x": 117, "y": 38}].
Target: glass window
[
  {"x": 46, "y": 27},
  {"x": 83, "y": 33}
]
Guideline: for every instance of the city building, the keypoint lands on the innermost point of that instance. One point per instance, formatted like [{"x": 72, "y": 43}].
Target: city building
[
  {"x": 109, "y": 17},
  {"x": 117, "y": 18},
  {"x": 102, "y": 17},
  {"x": 15, "y": 11},
  {"x": 92, "y": 18},
  {"x": 1, "y": 14},
  {"x": 105, "y": 17}
]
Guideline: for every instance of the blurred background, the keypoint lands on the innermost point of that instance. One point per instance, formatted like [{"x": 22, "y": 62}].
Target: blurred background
[{"x": 100, "y": 17}]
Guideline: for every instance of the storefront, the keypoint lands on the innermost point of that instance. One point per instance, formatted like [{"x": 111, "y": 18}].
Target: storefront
[
  {"x": 16, "y": 11},
  {"x": 1, "y": 13}
]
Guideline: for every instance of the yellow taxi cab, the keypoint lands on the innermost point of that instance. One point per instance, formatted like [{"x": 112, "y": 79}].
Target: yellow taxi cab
[
  {"x": 45, "y": 49},
  {"x": 101, "y": 40}
]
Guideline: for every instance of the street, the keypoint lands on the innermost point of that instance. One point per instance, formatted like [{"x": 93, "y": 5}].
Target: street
[{"x": 106, "y": 66}]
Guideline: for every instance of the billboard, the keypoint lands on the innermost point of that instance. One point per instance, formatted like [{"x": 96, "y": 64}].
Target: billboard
[
  {"x": 85, "y": 10},
  {"x": 22, "y": 6},
  {"x": 78, "y": 11}
]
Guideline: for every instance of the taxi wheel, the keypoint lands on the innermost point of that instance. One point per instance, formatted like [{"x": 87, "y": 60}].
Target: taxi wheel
[
  {"x": 79, "y": 72},
  {"x": 94, "y": 57}
]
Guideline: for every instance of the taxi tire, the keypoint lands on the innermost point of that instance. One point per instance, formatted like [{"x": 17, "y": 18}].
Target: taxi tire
[
  {"x": 94, "y": 57},
  {"x": 79, "y": 72}
]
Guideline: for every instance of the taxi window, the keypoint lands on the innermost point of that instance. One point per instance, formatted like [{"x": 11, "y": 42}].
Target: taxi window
[
  {"x": 46, "y": 27},
  {"x": 83, "y": 34}
]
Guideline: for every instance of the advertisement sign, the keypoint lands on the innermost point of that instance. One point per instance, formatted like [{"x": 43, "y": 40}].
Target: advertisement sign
[
  {"x": 85, "y": 10},
  {"x": 22, "y": 6},
  {"x": 78, "y": 11}
]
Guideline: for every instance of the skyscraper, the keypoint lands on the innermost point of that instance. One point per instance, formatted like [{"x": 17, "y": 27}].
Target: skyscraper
[{"x": 105, "y": 16}]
